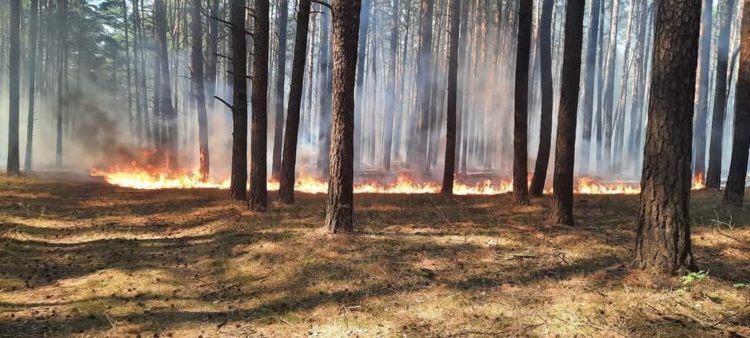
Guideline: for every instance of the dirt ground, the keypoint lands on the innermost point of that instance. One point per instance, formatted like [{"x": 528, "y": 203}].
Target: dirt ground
[{"x": 92, "y": 260}]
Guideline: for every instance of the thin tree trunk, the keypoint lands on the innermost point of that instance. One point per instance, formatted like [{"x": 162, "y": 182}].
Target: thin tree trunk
[
  {"x": 324, "y": 83},
  {"x": 418, "y": 158},
  {"x": 33, "y": 22},
  {"x": 258, "y": 199},
  {"x": 713, "y": 177},
  {"x": 212, "y": 59},
  {"x": 545, "y": 131},
  {"x": 663, "y": 237},
  {"x": 127, "y": 67},
  {"x": 391, "y": 92},
  {"x": 15, "y": 86},
  {"x": 62, "y": 36},
  {"x": 199, "y": 88},
  {"x": 340, "y": 188},
  {"x": 734, "y": 193},
  {"x": 608, "y": 109},
  {"x": 238, "y": 184},
  {"x": 699, "y": 165},
  {"x": 289, "y": 159},
  {"x": 520, "y": 124},
  {"x": 169, "y": 137},
  {"x": 279, "y": 100},
  {"x": 561, "y": 211},
  {"x": 450, "y": 138},
  {"x": 588, "y": 98},
  {"x": 359, "y": 101}
]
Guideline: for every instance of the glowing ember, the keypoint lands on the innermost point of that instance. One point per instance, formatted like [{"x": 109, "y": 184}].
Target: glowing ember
[{"x": 153, "y": 179}]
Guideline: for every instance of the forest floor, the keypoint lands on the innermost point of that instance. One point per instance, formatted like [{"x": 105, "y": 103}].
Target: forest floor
[{"x": 88, "y": 259}]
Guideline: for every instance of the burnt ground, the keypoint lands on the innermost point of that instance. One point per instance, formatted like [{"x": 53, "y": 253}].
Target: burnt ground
[{"x": 88, "y": 259}]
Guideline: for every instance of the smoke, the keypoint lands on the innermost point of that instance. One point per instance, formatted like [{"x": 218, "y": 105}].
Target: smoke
[{"x": 99, "y": 126}]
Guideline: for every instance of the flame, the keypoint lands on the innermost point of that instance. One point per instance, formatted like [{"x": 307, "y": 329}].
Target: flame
[
  {"x": 150, "y": 178},
  {"x": 699, "y": 182},
  {"x": 588, "y": 186}
]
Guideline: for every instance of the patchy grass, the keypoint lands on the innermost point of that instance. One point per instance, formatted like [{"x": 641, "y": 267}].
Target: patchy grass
[{"x": 86, "y": 259}]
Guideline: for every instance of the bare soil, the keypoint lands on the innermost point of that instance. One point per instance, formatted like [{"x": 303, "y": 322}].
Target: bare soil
[{"x": 87, "y": 259}]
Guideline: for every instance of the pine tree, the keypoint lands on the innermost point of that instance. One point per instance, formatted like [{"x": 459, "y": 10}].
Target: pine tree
[{"x": 663, "y": 236}]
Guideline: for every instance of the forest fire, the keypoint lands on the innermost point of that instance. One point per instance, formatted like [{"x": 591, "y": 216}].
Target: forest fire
[{"x": 154, "y": 179}]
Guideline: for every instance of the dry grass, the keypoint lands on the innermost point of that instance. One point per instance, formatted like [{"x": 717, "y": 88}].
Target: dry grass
[{"x": 84, "y": 259}]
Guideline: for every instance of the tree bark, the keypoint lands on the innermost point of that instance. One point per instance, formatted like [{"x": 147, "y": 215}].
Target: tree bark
[
  {"x": 713, "y": 177},
  {"x": 565, "y": 149},
  {"x": 289, "y": 158},
  {"x": 663, "y": 237},
  {"x": 278, "y": 131},
  {"x": 238, "y": 184},
  {"x": 734, "y": 193},
  {"x": 450, "y": 138},
  {"x": 340, "y": 187},
  {"x": 520, "y": 116},
  {"x": 258, "y": 199},
  {"x": 14, "y": 90},
  {"x": 545, "y": 130}
]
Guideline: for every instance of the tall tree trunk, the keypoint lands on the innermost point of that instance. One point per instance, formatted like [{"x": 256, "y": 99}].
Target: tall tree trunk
[
  {"x": 450, "y": 138},
  {"x": 461, "y": 135},
  {"x": 212, "y": 59},
  {"x": 238, "y": 184},
  {"x": 520, "y": 116},
  {"x": 165, "y": 103},
  {"x": 561, "y": 211},
  {"x": 289, "y": 158},
  {"x": 418, "y": 157},
  {"x": 199, "y": 88},
  {"x": 359, "y": 101},
  {"x": 391, "y": 92},
  {"x": 663, "y": 237},
  {"x": 608, "y": 109},
  {"x": 588, "y": 98},
  {"x": 279, "y": 100},
  {"x": 129, "y": 83},
  {"x": 258, "y": 199},
  {"x": 136, "y": 76},
  {"x": 699, "y": 160},
  {"x": 156, "y": 118},
  {"x": 713, "y": 177},
  {"x": 734, "y": 193},
  {"x": 62, "y": 36},
  {"x": 324, "y": 94},
  {"x": 33, "y": 22},
  {"x": 545, "y": 131},
  {"x": 15, "y": 86},
  {"x": 340, "y": 187}
]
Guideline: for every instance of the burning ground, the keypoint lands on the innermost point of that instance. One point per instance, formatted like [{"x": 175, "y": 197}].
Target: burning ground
[{"x": 91, "y": 259}]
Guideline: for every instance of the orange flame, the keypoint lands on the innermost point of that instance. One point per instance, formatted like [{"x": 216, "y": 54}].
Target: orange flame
[
  {"x": 699, "y": 182},
  {"x": 152, "y": 179}
]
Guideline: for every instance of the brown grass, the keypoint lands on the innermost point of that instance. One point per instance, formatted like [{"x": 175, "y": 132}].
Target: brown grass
[{"x": 86, "y": 259}]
